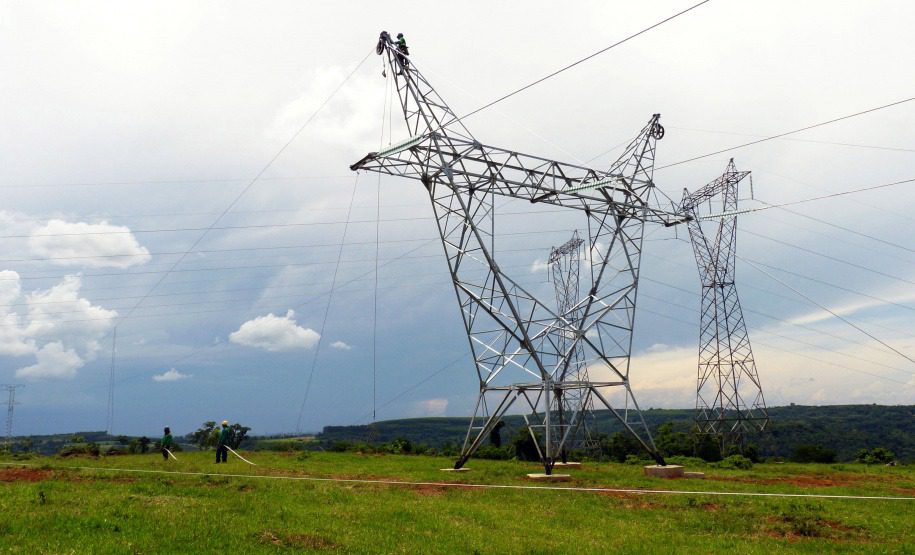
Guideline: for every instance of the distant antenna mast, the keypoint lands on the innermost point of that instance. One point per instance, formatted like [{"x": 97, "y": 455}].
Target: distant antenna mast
[
  {"x": 109, "y": 423},
  {"x": 11, "y": 389},
  {"x": 729, "y": 397}
]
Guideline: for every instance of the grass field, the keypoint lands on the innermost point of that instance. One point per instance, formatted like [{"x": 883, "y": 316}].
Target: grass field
[{"x": 88, "y": 505}]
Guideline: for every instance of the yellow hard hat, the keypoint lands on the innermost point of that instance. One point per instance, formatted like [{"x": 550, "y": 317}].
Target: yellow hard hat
[{"x": 225, "y": 422}]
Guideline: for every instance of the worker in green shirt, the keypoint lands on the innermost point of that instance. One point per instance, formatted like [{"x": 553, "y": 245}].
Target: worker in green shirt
[
  {"x": 402, "y": 49},
  {"x": 221, "y": 450},
  {"x": 166, "y": 442}
]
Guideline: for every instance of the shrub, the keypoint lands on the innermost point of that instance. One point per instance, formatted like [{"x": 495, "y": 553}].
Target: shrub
[{"x": 738, "y": 462}]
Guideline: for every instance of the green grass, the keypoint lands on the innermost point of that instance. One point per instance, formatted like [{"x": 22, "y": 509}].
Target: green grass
[{"x": 48, "y": 508}]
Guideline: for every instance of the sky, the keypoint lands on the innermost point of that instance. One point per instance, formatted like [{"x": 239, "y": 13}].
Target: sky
[{"x": 164, "y": 176}]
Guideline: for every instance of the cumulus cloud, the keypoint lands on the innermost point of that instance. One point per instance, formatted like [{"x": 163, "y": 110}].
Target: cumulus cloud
[
  {"x": 54, "y": 361},
  {"x": 431, "y": 407},
  {"x": 341, "y": 346},
  {"x": 100, "y": 245},
  {"x": 56, "y": 325},
  {"x": 275, "y": 333},
  {"x": 170, "y": 376}
]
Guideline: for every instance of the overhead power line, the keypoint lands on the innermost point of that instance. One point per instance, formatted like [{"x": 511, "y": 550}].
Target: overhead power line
[
  {"x": 786, "y": 133},
  {"x": 833, "y": 313},
  {"x": 804, "y": 201},
  {"x": 586, "y": 58}
]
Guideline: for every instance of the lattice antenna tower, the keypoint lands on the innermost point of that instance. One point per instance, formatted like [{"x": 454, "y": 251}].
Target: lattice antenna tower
[
  {"x": 11, "y": 405},
  {"x": 729, "y": 396},
  {"x": 522, "y": 346},
  {"x": 565, "y": 263}
]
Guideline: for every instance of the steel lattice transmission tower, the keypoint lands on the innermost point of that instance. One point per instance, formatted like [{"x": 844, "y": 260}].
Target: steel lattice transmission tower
[
  {"x": 520, "y": 343},
  {"x": 11, "y": 405},
  {"x": 565, "y": 266},
  {"x": 729, "y": 397}
]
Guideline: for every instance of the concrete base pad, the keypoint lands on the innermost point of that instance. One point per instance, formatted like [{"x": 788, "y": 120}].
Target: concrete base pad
[
  {"x": 541, "y": 477},
  {"x": 694, "y": 475},
  {"x": 669, "y": 471},
  {"x": 569, "y": 464},
  {"x": 462, "y": 469}
]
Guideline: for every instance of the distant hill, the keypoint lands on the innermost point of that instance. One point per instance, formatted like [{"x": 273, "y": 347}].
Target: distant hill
[{"x": 844, "y": 428}]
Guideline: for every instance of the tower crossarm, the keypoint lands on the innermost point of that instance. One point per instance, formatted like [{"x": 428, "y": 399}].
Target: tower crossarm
[{"x": 471, "y": 165}]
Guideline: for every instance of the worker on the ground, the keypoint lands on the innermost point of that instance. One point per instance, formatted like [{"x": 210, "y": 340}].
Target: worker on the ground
[
  {"x": 166, "y": 442},
  {"x": 221, "y": 445},
  {"x": 401, "y": 44}
]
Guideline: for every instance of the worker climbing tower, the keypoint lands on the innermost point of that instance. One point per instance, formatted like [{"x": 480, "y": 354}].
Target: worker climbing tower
[
  {"x": 523, "y": 347},
  {"x": 729, "y": 397}
]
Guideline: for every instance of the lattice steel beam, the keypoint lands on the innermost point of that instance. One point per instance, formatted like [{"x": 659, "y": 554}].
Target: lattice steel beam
[
  {"x": 729, "y": 396},
  {"x": 523, "y": 347}
]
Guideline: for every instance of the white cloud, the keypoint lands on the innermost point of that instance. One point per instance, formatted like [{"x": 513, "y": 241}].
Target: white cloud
[
  {"x": 170, "y": 376},
  {"x": 100, "y": 245},
  {"x": 275, "y": 333},
  {"x": 341, "y": 346},
  {"x": 431, "y": 407},
  {"x": 54, "y": 361},
  {"x": 60, "y": 328}
]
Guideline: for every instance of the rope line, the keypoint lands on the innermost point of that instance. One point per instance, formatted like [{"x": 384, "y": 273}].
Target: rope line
[{"x": 409, "y": 483}]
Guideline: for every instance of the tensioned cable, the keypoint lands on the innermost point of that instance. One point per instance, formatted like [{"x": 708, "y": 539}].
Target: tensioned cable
[
  {"x": 847, "y": 321},
  {"x": 466, "y": 485},
  {"x": 330, "y": 300},
  {"x": 248, "y": 186},
  {"x": 791, "y": 353},
  {"x": 586, "y": 58},
  {"x": 795, "y": 139},
  {"x": 806, "y": 200},
  {"x": 786, "y": 133}
]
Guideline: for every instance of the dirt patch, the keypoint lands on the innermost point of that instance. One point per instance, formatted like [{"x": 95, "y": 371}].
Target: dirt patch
[
  {"x": 429, "y": 490},
  {"x": 23, "y": 475},
  {"x": 796, "y": 527},
  {"x": 311, "y": 541},
  {"x": 906, "y": 491},
  {"x": 297, "y": 541}
]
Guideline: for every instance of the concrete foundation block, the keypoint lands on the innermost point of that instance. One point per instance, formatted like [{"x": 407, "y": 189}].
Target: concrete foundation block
[
  {"x": 462, "y": 469},
  {"x": 569, "y": 464},
  {"x": 669, "y": 471},
  {"x": 541, "y": 477},
  {"x": 694, "y": 475}
]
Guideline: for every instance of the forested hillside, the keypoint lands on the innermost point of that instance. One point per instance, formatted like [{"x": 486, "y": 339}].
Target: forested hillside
[{"x": 843, "y": 428}]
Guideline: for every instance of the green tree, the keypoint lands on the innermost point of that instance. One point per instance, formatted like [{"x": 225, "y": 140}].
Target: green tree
[
  {"x": 237, "y": 434},
  {"x": 143, "y": 443},
  {"x": 203, "y": 437},
  {"x": 525, "y": 446},
  {"x": 495, "y": 436}
]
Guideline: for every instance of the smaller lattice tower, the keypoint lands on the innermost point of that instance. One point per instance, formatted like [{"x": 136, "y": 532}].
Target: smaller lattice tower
[
  {"x": 564, "y": 263},
  {"x": 729, "y": 397}
]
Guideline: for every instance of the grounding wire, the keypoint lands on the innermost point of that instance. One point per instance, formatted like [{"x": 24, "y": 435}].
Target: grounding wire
[
  {"x": 786, "y": 133},
  {"x": 586, "y": 58}
]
